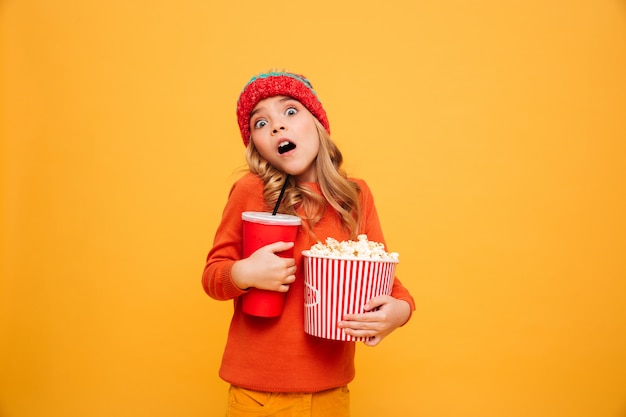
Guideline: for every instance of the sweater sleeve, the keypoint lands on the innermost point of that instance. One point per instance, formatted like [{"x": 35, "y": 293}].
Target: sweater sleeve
[
  {"x": 245, "y": 195},
  {"x": 370, "y": 225}
]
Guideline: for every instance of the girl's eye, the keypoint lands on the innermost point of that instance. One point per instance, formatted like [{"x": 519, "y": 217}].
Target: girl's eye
[
  {"x": 291, "y": 111},
  {"x": 260, "y": 123}
]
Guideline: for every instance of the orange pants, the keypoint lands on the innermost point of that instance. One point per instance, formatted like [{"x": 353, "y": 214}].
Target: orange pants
[{"x": 331, "y": 403}]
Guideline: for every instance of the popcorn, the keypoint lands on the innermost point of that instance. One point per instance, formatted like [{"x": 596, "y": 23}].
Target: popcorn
[{"x": 361, "y": 249}]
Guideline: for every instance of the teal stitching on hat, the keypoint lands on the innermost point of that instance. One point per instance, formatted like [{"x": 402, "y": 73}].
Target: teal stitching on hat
[{"x": 281, "y": 74}]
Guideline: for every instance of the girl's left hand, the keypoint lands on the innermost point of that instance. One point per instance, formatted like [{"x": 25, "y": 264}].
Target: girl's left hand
[{"x": 383, "y": 314}]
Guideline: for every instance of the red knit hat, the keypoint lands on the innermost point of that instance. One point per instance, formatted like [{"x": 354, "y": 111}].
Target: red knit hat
[{"x": 272, "y": 84}]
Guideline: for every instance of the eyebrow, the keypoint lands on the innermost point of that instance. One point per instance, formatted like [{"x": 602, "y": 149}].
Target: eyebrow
[{"x": 282, "y": 100}]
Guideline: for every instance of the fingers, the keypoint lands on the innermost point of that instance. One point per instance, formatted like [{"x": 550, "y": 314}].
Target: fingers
[
  {"x": 290, "y": 278},
  {"x": 382, "y": 315},
  {"x": 362, "y": 323},
  {"x": 373, "y": 341},
  {"x": 369, "y": 316},
  {"x": 289, "y": 274},
  {"x": 377, "y": 302},
  {"x": 277, "y": 247},
  {"x": 371, "y": 337},
  {"x": 371, "y": 332},
  {"x": 369, "y": 325}
]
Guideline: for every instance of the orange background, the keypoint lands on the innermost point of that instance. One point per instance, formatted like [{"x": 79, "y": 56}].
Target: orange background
[{"x": 492, "y": 133}]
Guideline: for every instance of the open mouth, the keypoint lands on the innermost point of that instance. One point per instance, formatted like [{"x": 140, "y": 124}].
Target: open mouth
[{"x": 286, "y": 146}]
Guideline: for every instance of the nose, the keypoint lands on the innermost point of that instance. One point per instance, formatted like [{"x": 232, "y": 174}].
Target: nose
[{"x": 277, "y": 127}]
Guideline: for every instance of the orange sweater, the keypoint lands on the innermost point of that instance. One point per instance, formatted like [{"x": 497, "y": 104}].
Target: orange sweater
[{"x": 274, "y": 354}]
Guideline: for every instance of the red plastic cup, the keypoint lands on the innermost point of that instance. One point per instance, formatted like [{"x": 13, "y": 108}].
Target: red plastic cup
[{"x": 261, "y": 229}]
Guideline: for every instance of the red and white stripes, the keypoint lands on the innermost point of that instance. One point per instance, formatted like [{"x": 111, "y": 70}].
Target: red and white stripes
[{"x": 336, "y": 287}]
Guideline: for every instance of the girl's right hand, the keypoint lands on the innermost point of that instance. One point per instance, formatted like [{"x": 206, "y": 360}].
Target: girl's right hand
[{"x": 265, "y": 270}]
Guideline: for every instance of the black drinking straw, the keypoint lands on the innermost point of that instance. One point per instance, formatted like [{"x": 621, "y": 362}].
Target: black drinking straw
[{"x": 280, "y": 196}]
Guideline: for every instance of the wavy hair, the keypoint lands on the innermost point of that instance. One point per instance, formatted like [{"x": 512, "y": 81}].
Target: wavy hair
[{"x": 337, "y": 190}]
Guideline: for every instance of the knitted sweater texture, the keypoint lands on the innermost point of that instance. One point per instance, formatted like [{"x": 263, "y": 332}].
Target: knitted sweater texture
[{"x": 274, "y": 354}]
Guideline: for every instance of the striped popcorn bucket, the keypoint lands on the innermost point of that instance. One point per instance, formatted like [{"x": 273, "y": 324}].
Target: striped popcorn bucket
[{"x": 335, "y": 287}]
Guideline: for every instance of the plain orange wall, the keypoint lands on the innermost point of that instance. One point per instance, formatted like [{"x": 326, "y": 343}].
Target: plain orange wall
[{"x": 492, "y": 133}]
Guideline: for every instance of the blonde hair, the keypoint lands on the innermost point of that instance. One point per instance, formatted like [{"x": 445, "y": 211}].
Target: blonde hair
[{"x": 337, "y": 190}]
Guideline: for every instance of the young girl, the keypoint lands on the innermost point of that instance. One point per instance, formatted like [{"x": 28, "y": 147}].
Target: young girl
[{"x": 273, "y": 366}]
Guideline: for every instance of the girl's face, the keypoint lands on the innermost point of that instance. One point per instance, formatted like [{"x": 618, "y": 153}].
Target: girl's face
[{"x": 284, "y": 133}]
